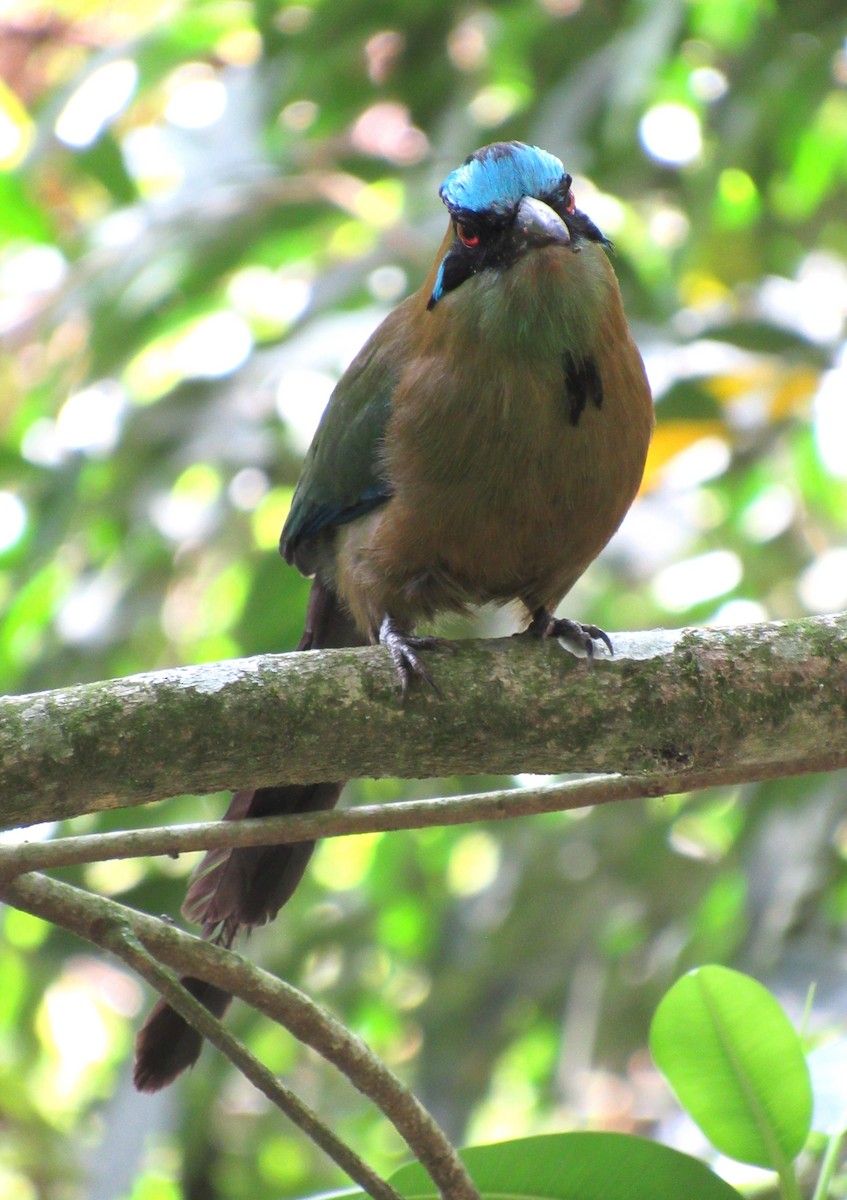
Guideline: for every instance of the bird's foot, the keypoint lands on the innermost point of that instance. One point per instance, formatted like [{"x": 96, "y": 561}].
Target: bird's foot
[
  {"x": 403, "y": 648},
  {"x": 544, "y": 624}
]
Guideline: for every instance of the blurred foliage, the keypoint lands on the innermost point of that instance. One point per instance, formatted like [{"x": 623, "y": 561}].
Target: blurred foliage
[{"x": 205, "y": 206}]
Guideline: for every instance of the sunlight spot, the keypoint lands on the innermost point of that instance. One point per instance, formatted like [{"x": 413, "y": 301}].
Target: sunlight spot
[
  {"x": 188, "y": 509},
  {"x": 668, "y": 227},
  {"x": 29, "y": 833},
  {"x": 299, "y": 115},
  {"x": 271, "y": 300},
  {"x": 751, "y": 1180},
  {"x": 206, "y": 348},
  {"x": 90, "y": 420},
  {"x": 577, "y": 860},
  {"x": 240, "y": 47},
  {"x": 409, "y": 987},
  {"x": 387, "y": 284},
  {"x": 120, "y": 228},
  {"x": 682, "y": 585},
  {"x": 823, "y": 585},
  {"x": 40, "y": 443},
  {"x": 213, "y": 346},
  {"x": 670, "y": 133},
  {"x": 74, "y": 1025},
  {"x": 607, "y": 211},
  {"x": 739, "y": 612},
  {"x": 11, "y": 139},
  {"x": 379, "y": 204},
  {"x": 831, "y": 421},
  {"x": 269, "y": 517},
  {"x": 351, "y": 239},
  {"x": 16, "y": 130},
  {"x": 29, "y": 268},
  {"x": 668, "y": 362},
  {"x": 85, "y": 613},
  {"x": 151, "y": 160},
  {"x": 248, "y": 488},
  {"x": 705, "y": 459},
  {"x": 12, "y": 520},
  {"x": 474, "y": 863},
  {"x": 708, "y": 84},
  {"x": 198, "y": 97},
  {"x": 301, "y": 397},
  {"x": 814, "y": 303},
  {"x": 322, "y": 968},
  {"x": 116, "y": 876},
  {"x": 343, "y": 863},
  {"x": 770, "y": 513},
  {"x": 494, "y": 104},
  {"x": 293, "y": 19},
  {"x": 99, "y": 98}
]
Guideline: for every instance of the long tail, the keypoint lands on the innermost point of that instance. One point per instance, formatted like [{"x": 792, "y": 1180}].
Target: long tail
[{"x": 244, "y": 887}]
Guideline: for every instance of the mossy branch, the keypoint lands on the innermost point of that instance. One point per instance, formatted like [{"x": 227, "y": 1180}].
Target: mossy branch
[
  {"x": 145, "y": 942},
  {"x": 762, "y": 700}
]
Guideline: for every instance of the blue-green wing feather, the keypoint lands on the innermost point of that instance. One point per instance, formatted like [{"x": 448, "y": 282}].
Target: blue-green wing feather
[{"x": 342, "y": 476}]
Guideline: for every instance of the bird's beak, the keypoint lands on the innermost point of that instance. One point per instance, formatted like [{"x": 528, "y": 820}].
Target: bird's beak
[{"x": 536, "y": 224}]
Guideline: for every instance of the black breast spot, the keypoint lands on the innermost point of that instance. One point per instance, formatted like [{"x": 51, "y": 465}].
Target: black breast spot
[{"x": 582, "y": 383}]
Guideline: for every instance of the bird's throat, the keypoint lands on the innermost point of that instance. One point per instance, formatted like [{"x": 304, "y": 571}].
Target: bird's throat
[{"x": 547, "y": 303}]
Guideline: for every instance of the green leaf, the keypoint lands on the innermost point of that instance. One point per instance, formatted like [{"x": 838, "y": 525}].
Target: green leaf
[
  {"x": 688, "y": 400},
  {"x": 736, "y": 1063},
  {"x": 762, "y": 337},
  {"x": 579, "y": 1166},
  {"x": 104, "y": 161},
  {"x": 20, "y": 217}
]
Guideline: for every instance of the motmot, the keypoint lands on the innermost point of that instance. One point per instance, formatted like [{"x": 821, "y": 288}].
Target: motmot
[{"x": 483, "y": 446}]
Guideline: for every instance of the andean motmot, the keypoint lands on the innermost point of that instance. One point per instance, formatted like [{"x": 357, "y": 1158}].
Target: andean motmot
[{"x": 483, "y": 446}]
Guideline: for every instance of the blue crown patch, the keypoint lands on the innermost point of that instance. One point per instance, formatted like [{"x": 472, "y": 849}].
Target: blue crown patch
[{"x": 497, "y": 177}]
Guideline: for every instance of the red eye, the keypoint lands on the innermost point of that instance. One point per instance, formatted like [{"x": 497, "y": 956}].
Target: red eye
[
  {"x": 570, "y": 203},
  {"x": 467, "y": 239}
]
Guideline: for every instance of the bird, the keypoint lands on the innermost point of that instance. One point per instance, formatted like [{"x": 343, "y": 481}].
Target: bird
[{"x": 482, "y": 447}]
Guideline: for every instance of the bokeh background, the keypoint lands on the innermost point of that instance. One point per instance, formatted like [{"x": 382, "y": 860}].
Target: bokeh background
[{"x": 205, "y": 207}]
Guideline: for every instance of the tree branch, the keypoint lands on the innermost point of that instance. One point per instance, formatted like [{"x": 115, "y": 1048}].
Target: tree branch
[
  {"x": 105, "y": 922},
  {"x": 756, "y": 698},
  {"x": 116, "y": 935},
  {"x": 497, "y": 805}
]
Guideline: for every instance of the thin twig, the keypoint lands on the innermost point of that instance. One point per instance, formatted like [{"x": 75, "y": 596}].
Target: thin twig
[
  {"x": 120, "y": 939},
  {"x": 89, "y": 916},
  {"x": 504, "y": 804}
]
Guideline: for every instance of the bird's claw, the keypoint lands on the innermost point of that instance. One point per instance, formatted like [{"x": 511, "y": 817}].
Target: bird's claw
[
  {"x": 543, "y": 624},
  {"x": 403, "y": 648}
]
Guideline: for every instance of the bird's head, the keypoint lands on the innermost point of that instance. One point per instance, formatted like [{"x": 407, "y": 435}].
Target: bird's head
[{"x": 506, "y": 201}]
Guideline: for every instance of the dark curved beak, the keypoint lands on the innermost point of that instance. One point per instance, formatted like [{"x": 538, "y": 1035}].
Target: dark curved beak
[{"x": 536, "y": 224}]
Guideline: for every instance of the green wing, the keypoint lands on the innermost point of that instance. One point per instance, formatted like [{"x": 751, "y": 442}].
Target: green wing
[{"x": 342, "y": 476}]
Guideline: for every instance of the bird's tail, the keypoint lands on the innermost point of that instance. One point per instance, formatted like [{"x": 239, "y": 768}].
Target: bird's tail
[{"x": 245, "y": 886}]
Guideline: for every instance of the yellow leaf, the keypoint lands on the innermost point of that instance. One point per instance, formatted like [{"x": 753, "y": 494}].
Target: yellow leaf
[
  {"x": 793, "y": 391},
  {"x": 784, "y": 390},
  {"x": 16, "y": 130},
  {"x": 669, "y": 439}
]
